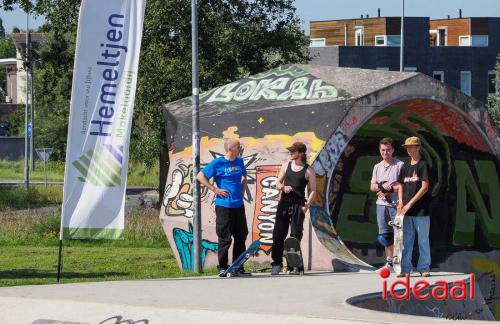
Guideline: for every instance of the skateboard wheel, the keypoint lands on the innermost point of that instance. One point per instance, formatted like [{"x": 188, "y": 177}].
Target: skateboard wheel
[
  {"x": 285, "y": 253},
  {"x": 247, "y": 255},
  {"x": 229, "y": 275}
]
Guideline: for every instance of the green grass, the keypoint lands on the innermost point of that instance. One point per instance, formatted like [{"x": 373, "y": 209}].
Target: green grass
[
  {"x": 14, "y": 170},
  {"x": 27, "y": 265},
  {"x": 29, "y": 249},
  {"x": 30, "y": 228},
  {"x": 18, "y": 197},
  {"x": 138, "y": 173}
]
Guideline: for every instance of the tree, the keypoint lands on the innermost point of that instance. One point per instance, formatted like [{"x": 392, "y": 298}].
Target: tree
[
  {"x": 53, "y": 76},
  {"x": 494, "y": 100},
  {"x": 236, "y": 38},
  {"x": 2, "y": 29}
]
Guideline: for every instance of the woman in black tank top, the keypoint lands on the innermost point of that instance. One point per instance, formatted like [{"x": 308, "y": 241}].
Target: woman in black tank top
[
  {"x": 293, "y": 203},
  {"x": 297, "y": 180}
]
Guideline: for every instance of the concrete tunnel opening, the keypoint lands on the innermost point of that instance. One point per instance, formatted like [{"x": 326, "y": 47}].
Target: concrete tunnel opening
[{"x": 464, "y": 181}]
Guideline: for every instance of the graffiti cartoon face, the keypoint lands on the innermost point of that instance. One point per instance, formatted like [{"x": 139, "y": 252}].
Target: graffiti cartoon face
[{"x": 178, "y": 197}]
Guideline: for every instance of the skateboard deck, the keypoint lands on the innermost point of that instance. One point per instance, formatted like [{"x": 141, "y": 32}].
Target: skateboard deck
[
  {"x": 240, "y": 261},
  {"x": 293, "y": 255},
  {"x": 397, "y": 224}
]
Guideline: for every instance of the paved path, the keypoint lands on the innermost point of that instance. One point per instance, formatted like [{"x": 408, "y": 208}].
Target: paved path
[{"x": 313, "y": 298}]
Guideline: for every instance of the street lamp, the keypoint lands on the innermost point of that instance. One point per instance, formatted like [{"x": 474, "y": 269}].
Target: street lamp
[
  {"x": 401, "y": 45},
  {"x": 196, "y": 140},
  {"x": 26, "y": 109}
]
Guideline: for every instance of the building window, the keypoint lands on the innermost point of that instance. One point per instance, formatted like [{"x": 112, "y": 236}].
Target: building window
[
  {"x": 359, "y": 34},
  {"x": 474, "y": 40},
  {"x": 438, "y": 75},
  {"x": 492, "y": 83},
  {"x": 433, "y": 37},
  {"x": 441, "y": 36},
  {"x": 464, "y": 41},
  {"x": 410, "y": 69},
  {"x": 480, "y": 40},
  {"x": 317, "y": 42},
  {"x": 465, "y": 82},
  {"x": 387, "y": 40},
  {"x": 393, "y": 40},
  {"x": 380, "y": 40}
]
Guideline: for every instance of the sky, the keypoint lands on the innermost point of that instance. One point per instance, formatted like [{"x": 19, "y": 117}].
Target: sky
[{"x": 336, "y": 9}]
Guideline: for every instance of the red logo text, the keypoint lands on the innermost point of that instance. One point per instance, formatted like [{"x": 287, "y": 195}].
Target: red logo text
[{"x": 401, "y": 289}]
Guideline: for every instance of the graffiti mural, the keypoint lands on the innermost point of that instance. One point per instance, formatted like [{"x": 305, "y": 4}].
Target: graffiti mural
[
  {"x": 266, "y": 205},
  {"x": 281, "y": 84},
  {"x": 262, "y": 162},
  {"x": 341, "y": 114},
  {"x": 184, "y": 243},
  {"x": 470, "y": 182},
  {"x": 178, "y": 197}
]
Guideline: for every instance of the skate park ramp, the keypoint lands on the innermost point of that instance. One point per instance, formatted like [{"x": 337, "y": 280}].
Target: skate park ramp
[
  {"x": 341, "y": 114},
  {"x": 261, "y": 298}
]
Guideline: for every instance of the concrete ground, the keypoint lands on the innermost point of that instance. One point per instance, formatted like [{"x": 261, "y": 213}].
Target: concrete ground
[{"x": 261, "y": 298}]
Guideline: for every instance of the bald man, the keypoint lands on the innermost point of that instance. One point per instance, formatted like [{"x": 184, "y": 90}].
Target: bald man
[{"x": 230, "y": 176}]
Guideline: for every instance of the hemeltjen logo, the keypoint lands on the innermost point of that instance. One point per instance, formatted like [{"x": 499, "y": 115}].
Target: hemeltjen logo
[{"x": 419, "y": 289}]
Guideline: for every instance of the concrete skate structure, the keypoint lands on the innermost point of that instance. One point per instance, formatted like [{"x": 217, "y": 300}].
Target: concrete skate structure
[
  {"x": 341, "y": 113},
  {"x": 312, "y": 298}
]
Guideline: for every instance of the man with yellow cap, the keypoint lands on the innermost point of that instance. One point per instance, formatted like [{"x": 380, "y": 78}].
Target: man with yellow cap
[{"x": 414, "y": 205}]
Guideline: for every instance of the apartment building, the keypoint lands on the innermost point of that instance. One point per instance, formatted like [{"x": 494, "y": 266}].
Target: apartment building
[{"x": 459, "y": 51}]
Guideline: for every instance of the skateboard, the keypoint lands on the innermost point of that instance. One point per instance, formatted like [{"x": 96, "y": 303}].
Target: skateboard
[
  {"x": 397, "y": 224},
  {"x": 293, "y": 255},
  {"x": 240, "y": 261}
]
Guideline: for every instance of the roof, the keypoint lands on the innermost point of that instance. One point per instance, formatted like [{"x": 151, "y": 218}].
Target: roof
[{"x": 286, "y": 86}]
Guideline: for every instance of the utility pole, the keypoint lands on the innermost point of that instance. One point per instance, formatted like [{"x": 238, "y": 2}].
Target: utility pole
[
  {"x": 196, "y": 139},
  {"x": 32, "y": 110},
  {"x": 26, "y": 110},
  {"x": 402, "y": 45}
]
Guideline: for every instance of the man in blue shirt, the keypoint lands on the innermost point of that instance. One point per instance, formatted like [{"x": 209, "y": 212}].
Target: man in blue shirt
[{"x": 230, "y": 175}]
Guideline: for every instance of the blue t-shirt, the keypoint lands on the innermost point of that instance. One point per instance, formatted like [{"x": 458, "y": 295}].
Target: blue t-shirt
[{"x": 227, "y": 175}]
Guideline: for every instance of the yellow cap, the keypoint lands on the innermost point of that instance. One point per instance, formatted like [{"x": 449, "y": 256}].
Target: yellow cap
[{"x": 412, "y": 141}]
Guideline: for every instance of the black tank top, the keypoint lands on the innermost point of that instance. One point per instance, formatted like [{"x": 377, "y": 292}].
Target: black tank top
[{"x": 296, "y": 180}]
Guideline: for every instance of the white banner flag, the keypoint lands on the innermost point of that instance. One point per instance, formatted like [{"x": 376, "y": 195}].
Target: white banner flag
[{"x": 102, "y": 101}]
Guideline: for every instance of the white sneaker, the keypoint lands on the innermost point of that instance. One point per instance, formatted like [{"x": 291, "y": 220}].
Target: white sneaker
[{"x": 388, "y": 264}]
